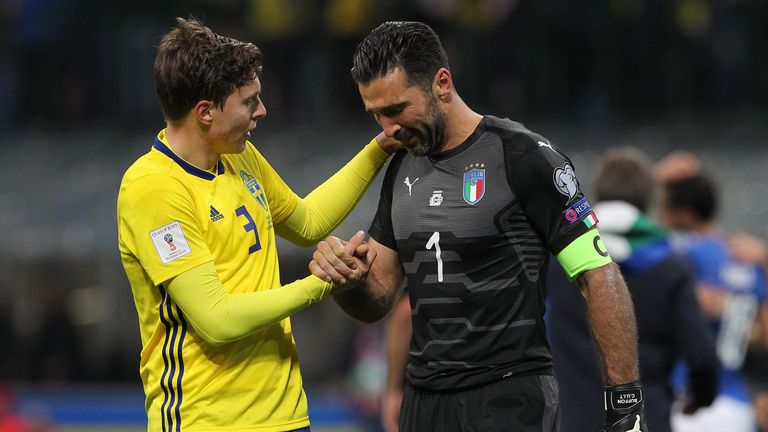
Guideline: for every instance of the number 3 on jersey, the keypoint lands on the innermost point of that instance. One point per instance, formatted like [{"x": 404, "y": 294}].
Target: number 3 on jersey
[
  {"x": 435, "y": 241},
  {"x": 250, "y": 226}
]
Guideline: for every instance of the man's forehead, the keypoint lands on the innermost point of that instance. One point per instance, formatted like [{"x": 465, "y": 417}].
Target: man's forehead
[
  {"x": 387, "y": 90},
  {"x": 250, "y": 88}
]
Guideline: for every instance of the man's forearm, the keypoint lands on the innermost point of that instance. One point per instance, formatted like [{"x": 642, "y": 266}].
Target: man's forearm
[
  {"x": 397, "y": 339},
  {"x": 373, "y": 299},
  {"x": 365, "y": 303},
  {"x": 612, "y": 319}
]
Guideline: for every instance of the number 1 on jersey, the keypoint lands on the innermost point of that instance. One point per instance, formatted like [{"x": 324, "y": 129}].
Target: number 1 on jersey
[{"x": 435, "y": 241}]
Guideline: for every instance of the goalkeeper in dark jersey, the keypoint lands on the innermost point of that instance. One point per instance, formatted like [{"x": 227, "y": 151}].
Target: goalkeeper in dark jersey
[{"x": 468, "y": 217}]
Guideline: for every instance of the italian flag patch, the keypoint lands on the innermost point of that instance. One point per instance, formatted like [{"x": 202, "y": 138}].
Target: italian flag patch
[{"x": 590, "y": 220}]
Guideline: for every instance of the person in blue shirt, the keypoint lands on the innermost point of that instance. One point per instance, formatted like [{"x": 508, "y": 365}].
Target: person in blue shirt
[
  {"x": 669, "y": 321},
  {"x": 732, "y": 295}
]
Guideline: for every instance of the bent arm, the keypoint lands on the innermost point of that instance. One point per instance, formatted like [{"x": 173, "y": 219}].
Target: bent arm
[
  {"x": 374, "y": 299},
  {"x": 320, "y": 212},
  {"x": 612, "y": 319},
  {"x": 219, "y": 316}
]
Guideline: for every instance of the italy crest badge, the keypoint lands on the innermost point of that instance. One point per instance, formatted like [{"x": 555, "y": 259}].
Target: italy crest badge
[{"x": 474, "y": 184}]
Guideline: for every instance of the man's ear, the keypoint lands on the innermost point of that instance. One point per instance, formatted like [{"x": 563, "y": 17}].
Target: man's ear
[
  {"x": 443, "y": 85},
  {"x": 203, "y": 110}
]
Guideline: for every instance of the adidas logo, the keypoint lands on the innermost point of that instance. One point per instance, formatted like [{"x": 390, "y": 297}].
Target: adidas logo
[{"x": 215, "y": 215}]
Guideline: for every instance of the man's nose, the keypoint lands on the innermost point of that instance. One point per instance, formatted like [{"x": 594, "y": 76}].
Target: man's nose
[
  {"x": 260, "y": 112},
  {"x": 389, "y": 126}
]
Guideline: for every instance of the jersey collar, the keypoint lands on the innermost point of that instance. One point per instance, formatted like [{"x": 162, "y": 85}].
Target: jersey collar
[
  {"x": 479, "y": 130},
  {"x": 188, "y": 167}
]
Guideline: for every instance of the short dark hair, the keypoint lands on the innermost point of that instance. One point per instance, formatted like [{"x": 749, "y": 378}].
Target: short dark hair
[
  {"x": 696, "y": 193},
  {"x": 412, "y": 45},
  {"x": 626, "y": 174},
  {"x": 193, "y": 63}
]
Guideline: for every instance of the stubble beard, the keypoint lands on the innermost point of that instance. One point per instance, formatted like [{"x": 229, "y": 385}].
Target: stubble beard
[{"x": 430, "y": 135}]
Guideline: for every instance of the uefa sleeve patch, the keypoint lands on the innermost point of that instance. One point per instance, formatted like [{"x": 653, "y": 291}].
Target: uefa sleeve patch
[
  {"x": 578, "y": 211},
  {"x": 170, "y": 242}
]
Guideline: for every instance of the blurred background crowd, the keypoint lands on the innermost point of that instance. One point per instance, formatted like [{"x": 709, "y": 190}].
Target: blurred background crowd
[{"x": 78, "y": 106}]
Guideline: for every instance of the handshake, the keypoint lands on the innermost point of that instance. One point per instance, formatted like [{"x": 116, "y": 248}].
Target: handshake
[{"x": 345, "y": 263}]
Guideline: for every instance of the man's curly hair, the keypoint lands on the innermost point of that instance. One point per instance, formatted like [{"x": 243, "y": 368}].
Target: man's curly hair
[{"x": 193, "y": 63}]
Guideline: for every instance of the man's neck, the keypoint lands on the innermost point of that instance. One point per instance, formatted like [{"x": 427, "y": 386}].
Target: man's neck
[
  {"x": 461, "y": 122},
  {"x": 190, "y": 144}
]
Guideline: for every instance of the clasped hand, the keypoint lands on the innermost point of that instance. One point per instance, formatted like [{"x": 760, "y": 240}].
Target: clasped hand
[{"x": 345, "y": 263}]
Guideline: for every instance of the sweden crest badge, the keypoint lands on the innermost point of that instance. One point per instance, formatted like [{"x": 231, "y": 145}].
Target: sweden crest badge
[
  {"x": 474, "y": 185},
  {"x": 254, "y": 188}
]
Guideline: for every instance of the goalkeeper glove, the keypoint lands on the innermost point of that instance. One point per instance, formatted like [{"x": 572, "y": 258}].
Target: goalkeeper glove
[{"x": 624, "y": 410}]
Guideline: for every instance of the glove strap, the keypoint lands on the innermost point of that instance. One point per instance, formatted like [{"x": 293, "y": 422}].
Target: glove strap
[{"x": 623, "y": 398}]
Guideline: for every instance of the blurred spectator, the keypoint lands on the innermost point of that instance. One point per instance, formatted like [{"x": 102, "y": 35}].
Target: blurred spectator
[
  {"x": 751, "y": 249},
  {"x": 669, "y": 321},
  {"x": 678, "y": 164},
  {"x": 747, "y": 248},
  {"x": 732, "y": 295},
  {"x": 10, "y": 420}
]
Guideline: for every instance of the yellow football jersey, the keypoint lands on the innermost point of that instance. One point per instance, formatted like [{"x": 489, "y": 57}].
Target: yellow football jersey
[{"x": 173, "y": 217}]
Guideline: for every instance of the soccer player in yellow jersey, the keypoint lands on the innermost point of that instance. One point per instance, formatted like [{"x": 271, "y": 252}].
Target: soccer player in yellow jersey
[{"x": 197, "y": 217}]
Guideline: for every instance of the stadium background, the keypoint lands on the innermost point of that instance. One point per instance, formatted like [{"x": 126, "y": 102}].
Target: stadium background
[{"x": 77, "y": 106}]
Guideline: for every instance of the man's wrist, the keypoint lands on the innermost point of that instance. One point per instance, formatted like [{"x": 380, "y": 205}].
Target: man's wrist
[
  {"x": 386, "y": 144},
  {"x": 624, "y": 408},
  {"x": 623, "y": 397}
]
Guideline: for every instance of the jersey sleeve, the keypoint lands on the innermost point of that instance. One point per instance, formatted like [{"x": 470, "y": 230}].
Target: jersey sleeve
[
  {"x": 220, "y": 316},
  {"x": 158, "y": 223},
  {"x": 281, "y": 198},
  {"x": 323, "y": 209},
  {"x": 381, "y": 227},
  {"x": 544, "y": 180}
]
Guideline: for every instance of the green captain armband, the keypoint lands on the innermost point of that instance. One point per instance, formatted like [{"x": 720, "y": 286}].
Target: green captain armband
[{"x": 585, "y": 253}]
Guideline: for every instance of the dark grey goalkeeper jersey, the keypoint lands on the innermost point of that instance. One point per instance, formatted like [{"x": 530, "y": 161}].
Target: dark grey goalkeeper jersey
[{"x": 474, "y": 228}]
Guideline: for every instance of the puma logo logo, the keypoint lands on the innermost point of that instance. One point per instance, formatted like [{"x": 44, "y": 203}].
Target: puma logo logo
[
  {"x": 543, "y": 144},
  {"x": 408, "y": 183}
]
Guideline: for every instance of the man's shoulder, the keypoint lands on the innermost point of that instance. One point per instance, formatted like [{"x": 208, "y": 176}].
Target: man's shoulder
[
  {"x": 517, "y": 140},
  {"x": 147, "y": 165},
  {"x": 661, "y": 280},
  {"x": 149, "y": 173},
  {"x": 512, "y": 133}
]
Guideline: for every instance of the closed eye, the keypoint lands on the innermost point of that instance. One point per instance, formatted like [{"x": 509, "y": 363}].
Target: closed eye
[
  {"x": 388, "y": 111},
  {"x": 392, "y": 110}
]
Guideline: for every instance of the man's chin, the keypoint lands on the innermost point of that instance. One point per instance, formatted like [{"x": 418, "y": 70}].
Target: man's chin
[{"x": 418, "y": 150}]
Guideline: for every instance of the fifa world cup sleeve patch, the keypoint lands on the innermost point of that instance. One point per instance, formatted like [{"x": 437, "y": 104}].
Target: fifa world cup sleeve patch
[{"x": 170, "y": 242}]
